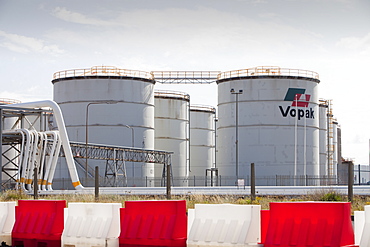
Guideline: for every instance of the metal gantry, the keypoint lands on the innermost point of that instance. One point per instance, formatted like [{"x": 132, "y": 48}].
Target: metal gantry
[
  {"x": 185, "y": 77},
  {"x": 115, "y": 157}
]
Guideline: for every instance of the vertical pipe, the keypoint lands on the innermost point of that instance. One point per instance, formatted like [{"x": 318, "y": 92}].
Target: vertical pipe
[
  {"x": 87, "y": 141},
  {"x": 295, "y": 139},
  {"x": 253, "y": 183},
  {"x": 305, "y": 147},
  {"x": 236, "y": 141},
  {"x": 188, "y": 146},
  {"x": 350, "y": 181},
  {"x": 96, "y": 183},
  {"x": 216, "y": 120},
  {"x": 327, "y": 145}
]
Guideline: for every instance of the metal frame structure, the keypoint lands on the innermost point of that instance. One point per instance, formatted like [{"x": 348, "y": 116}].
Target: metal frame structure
[
  {"x": 115, "y": 156},
  {"x": 115, "y": 172},
  {"x": 40, "y": 121}
]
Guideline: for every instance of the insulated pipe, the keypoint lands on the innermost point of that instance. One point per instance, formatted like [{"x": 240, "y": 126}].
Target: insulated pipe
[
  {"x": 63, "y": 135},
  {"x": 21, "y": 157},
  {"x": 45, "y": 175},
  {"x": 23, "y": 167},
  {"x": 54, "y": 162},
  {"x": 33, "y": 161},
  {"x": 44, "y": 138}
]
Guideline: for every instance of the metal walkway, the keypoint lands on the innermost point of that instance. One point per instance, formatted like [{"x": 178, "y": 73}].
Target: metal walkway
[{"x": 185, "y": 77}]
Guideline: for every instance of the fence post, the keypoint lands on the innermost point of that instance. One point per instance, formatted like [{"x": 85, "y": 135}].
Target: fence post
[
  {"x": 253, "y": 183},
  {"x": 96, "y": 183},
  {"x": 168, "y": 192},
  {"x": 350, "y": 181},
  {"x": 35, "y": 195}
]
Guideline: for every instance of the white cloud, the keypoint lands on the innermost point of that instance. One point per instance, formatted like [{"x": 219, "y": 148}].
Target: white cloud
[
  {"x": 23, "y": 44},
  {"x": 361, "y": 44},
  {"x": 74, "y": 17},
  {"x": 184, "y": 34}
]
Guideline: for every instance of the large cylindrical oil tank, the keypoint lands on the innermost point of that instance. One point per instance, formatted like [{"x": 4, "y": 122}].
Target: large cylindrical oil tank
[
  {"x": 278, "y": 127},
  {"x": 202, "y": 141},
  {"x": 172, "y": 132},
  {"x": 323, "y": 137},
  {"x": 107, "y": 105}
]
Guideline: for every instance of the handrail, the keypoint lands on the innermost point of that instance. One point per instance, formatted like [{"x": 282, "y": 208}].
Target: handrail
[
  {"x": 103, "y": 71},
  {"x": 185, "y": 74},
  {"x": 169, "y": 94},
  {"x": 205, "y": 108},
  {"x": 269, "y": 71}
]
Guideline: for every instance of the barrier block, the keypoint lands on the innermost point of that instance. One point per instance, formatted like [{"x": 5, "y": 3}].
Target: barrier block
[
  {"x": 359, "y": 224},
  {"x": 363, "y": 227},
  {"x": 191, "y": 217},
  {"x": 224, "y": 225},
  {"x": 7, "y": 219},
  {"x": 153, "y": 223},
  {"x": 265, "y": 218},
  {"x": 38, "y": 223},
  {"x": 309, "y": 224},
  {"x": 92, "y": 224}
]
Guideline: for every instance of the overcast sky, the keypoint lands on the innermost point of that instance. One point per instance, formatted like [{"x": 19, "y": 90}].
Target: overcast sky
[{"x": 330, "y": 37}]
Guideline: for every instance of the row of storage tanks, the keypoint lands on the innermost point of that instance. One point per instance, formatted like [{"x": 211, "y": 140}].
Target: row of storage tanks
[{"x": 280, "y": 125}]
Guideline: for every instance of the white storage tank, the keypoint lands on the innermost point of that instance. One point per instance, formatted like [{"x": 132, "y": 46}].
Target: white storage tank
[
  {"x": 202, "y": 140},
  {"x": 278, "y": 123},
  {"x": 323, "y": 136},
  {"x": 113, "y": 106},
  {"x": 172, "y": 133}
]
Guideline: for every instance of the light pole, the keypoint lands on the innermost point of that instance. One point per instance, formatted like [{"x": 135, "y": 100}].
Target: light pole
[
  {"x": 240, "y": 91},
  {"x": 87, "y": 129}
]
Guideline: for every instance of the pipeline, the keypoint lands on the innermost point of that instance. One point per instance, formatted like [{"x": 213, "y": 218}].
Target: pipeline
[{"x": 63, "y": 137}]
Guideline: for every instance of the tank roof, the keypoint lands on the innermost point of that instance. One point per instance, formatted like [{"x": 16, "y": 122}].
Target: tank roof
[
  {"x": 202, "y": 108},
  {"x": 101, "y": 72},
  {"x": 171, "y": 95},
  {"x": 268, "y": 72}
]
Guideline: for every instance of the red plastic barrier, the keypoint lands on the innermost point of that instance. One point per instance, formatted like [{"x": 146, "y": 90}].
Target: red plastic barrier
[
  {"x": 265, "y": 218},
  {"x": 316, "y": 224},
  {"x": 153, "y": 223},
  {"x": 38, "y": 223}
]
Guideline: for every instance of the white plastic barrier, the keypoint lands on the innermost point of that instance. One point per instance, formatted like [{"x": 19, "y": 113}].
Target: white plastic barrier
[
  {"x": 359, "y": 223},
  {"x": 363, "y": 227},
  {"x": 7, "y": 219},
  {"x": 92, "y": 224},
  {"x": 224, "y": 225}
]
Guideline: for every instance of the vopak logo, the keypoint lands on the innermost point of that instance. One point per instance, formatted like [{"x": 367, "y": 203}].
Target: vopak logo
[{"x": 299, "y": 99}]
